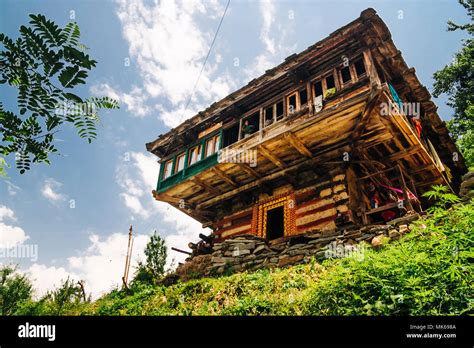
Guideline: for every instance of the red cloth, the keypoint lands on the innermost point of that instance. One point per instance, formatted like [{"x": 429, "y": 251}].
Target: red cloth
[
  {"x": 417, "y": 126},
  {"x": 388, "y": 215}
]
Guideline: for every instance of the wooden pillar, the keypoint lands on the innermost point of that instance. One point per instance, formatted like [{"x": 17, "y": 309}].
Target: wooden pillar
[
  {"x": 404, "y": 188},
  {"x": 413, "y": 187},
  {"x": 371, "y": 70}
]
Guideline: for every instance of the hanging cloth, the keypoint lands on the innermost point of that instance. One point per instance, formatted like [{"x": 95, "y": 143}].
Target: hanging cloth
[{"x": 411, "y": 196}]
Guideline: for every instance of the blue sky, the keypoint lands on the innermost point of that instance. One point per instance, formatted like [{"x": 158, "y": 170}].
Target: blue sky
[{"x": 77, "y": 211}]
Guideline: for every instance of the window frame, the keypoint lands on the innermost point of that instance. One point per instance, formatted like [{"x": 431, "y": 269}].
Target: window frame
[
  {"x": 246, "y": 116},
  {"x": 296, "y": 94},
  {"x": 215, "y": 139},
  {"x": 181, "y": 155},
  {"x": 351, "y": 78},
  {"x": 362, "y": 60},
  {"x": 191, "y": 151},
  {"x": 165, "y": 165},
  {"x": 273, "y": 118}
]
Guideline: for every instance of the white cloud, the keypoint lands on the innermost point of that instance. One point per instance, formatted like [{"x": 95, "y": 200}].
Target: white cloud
[
  {"x": 268, "y": 11},
  {"x": 100, "y": 266},
  {"x": 276, "y": 40},
  {"x": 12, "y": 188},
  {"x": 134, "y": 204},
  {"x": 10, "y": 235},
  {"x": 50, "y": 190},
  {"x": 135, "y": 100},
  {"x": 46, "y": 278},
  {"x": 6, "y": 213},
  {"x": 137, "y": 178},
  {"x": 168, "y": 41}
]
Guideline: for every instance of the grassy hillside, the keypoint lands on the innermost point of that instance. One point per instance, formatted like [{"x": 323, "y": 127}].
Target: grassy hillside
[{"x": 427, "y": 272}]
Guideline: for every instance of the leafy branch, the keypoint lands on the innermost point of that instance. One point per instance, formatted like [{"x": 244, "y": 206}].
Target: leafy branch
[{"x": 44, "y": 64}]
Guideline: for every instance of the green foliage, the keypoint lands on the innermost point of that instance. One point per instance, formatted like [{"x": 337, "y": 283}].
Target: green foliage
[
  {"x": 457, "y": 81},
  {"x": 61, "y": 301},
  {"x": 3, "y": 165},
  {"x": 154, "y": 268},
  {"x": 429, "y": 271},
  {"x": 14, "y": 290},
  {"x": 442, "y": 197},
  {"x": 44, "y": 64}
]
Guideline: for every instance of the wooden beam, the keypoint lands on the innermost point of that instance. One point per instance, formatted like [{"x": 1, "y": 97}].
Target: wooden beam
[
  {"x": 405, "y": 189},
  {"x": 246, "y": 168},
  {"x": 224, "y": 176},
  {"x": 432, "y": 182},
  {"x": 194, "y": 213},
  {"x": 205, "y": 186},
  {"x": 374, "y": 96},
  {"x": 376, "y": 173},
  {"x": 166, "y": 198},
  {"x": 422, "y": 169},
  {"x": 404, "y": 153},
  {"x": 319, "y": 158},
  {"x": 298, "y": 144},
  {"x": 271, "y": 157},
  {"x": 181, "y": 251}
]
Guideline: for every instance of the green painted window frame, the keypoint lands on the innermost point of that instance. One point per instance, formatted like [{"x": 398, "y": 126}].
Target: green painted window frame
[{"x": 189, "y": 170}]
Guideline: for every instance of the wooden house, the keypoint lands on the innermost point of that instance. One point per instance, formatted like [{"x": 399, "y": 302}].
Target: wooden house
[{"x": 341, "y": 133}]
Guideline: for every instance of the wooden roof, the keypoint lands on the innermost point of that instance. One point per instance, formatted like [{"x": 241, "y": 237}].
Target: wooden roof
[{"x": 368, "y": 28}]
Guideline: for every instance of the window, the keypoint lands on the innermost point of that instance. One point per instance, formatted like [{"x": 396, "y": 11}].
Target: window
[
  {"x": 212, "y": 145},
  {"x": 345, "y": 75},
  {"x": 194, "y": 154},
  {"x": 279, "y": 111},
  {"x": 250, "y": 124},
  {"x": 292, "y": 107},
  {"x": 231, "y": 135},
  {"x": 179, "y": 163},
  {"x": 168, "y": 169},
  {"x": 303, "y": 97},
  {"x": 330, "y": 82},
  {"x": 318, "y": 88},
  {"x": 269, "y": 117},
  {"x": 359, "y": 67}
]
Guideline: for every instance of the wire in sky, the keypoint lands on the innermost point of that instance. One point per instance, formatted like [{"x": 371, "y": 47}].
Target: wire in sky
[
  {"x": 202, "y": 69},
  {"x": 205, "y": 60}
]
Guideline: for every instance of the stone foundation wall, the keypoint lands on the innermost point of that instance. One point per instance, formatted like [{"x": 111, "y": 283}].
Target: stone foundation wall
[
  {"x": 467, "y": 187},
  {"x": 248, "y": 252}
]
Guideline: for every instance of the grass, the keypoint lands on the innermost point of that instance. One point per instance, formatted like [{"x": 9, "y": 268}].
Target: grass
[{"x": 427, "y": 272}]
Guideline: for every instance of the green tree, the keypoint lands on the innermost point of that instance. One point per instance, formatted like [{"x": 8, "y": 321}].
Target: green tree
[
  {"x": 14, "y": 289},
  {"x": 44, "y": 64},
  {"x": 457, "y": 81},
  {"x": 68, "y": 294},
  {"x": 154, "y": 268}
]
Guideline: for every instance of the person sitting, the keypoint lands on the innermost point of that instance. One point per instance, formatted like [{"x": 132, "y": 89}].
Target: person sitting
[
  {"x": 268, "y": 121},
  {"x": 374, "y": 196}
]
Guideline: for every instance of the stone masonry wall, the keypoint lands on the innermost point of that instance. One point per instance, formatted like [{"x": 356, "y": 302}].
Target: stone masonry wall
[{"x": 248, "y": 252}]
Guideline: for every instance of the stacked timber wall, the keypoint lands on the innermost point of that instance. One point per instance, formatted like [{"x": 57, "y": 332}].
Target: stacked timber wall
[{"x": 321, "y": 205}]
